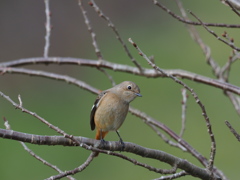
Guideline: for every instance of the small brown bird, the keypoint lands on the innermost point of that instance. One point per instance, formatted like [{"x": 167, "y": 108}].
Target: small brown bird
[{"x": 111, "y": 107}]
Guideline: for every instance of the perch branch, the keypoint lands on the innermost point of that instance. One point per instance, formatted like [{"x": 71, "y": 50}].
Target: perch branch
[
  {"x": 88, "y": 144},
  {"x": 110, "y": 146}
]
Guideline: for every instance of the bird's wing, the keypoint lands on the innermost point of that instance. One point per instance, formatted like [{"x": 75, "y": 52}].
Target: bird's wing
[{"x": 94, "y": 108}]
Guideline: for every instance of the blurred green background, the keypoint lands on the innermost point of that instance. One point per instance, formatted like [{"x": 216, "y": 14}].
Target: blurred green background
[{"x": 22, "y": 34}]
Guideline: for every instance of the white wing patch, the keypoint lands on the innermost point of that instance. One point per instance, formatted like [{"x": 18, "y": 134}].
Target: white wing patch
[{"x": 93, "y": 107}]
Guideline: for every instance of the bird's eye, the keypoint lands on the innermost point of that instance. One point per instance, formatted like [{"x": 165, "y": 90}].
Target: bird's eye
[{"x": 129, "y": 87}]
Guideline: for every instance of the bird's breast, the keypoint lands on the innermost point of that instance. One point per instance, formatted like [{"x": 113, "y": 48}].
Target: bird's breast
[{"x": 110, "y": 114}]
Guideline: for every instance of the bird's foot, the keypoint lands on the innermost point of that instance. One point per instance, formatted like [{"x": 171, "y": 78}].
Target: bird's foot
[
  {"x": 123, "y": 145},
  {"x": 102, "y": 143}
]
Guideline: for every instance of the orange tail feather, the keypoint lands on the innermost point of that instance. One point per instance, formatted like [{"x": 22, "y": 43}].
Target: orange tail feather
[{"x": 100, "y": 135}]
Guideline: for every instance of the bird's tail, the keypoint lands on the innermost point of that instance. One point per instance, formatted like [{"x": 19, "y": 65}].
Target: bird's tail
[{"x": 99, "y": 136}]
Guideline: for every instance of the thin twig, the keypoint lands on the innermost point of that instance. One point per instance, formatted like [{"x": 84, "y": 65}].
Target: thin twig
[
  {"x": 184, "y": 107},
  {"x": 74, "y": 171},
  {"x": 225, "y": 70},
  {"x": 94, "y": 40},
  {"x": 221, "y": 73},
  {"x": 191, "y": 22},
  {"x": 7, "y": 125},
  {"x": 194, "y": 94},
  {"x": 196, "y": 37},
  {"x": 150, "y": 168},
  {"x": 43, "y": 160},
  {"x": 173, "y": 135},
  {"x": 48, "y": 29},
  {"x": 231, "y": 4},
  {"x": 17, "y": 106},
  {"x": 62, "y": 174},
  {"x": 214, "y": 34},
  {"x": 173, "y": 176},
  {"x": 108, "y": 76},
  {"x": 90, "y": 29},
  {"x": 55, "y": 76},
  {"x": 164, "y": 138},
  {"x": 235, "y": 101},
  {"x": 20, "y": 100},
  {"x": 112, "y": 26},
  {"x": 234, "y": 132}
]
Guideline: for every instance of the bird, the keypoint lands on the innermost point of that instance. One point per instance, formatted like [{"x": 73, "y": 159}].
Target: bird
[{"x": 111, "y": 107}]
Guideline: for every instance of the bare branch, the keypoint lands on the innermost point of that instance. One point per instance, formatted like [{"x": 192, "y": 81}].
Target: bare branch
[
  {"x": 164, "y": 138},
  {"x": 7, "y": 125},
  {"x": 108, "y": 76},
  {"x": 20, "y": 100},
  {"x": 46, "y": 139},
  {"x": 178, "y": 166},
  {"x": 214, "y": 34},
  {"x": 225, "y": 70},
  {"x": 4, "y": 68},
  {"x": 184, "y": 107},
  {"x": 55, "y": 76},
  {"x": 194, "y": 94},
  {"x": 58, "y": 130},
  {"x": 235, "y": 101},
  {"x": 110, "y": 146},
  {"x": 173, "y": 135},
  {"x": 112, "y": 26},
  {"x": 174, "y": 176},
  {"x": 43, "y": 140},
  {"x": 48, "y": 29},
  {"x": 191, "y": 22},
  {"x": 76, "y": 170},
  {"x": 196, "y": 37},
  {"x": 43, "y": 160},
  {"x": 221, "y": 73},
  {"x": 233, "y": 4},
  {"x": 150, "y": 168},
  {"x": 234, "y": 132},
  {"x": 90, "y": 29}
]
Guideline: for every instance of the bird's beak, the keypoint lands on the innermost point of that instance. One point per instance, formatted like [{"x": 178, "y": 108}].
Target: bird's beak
[{"x": 138, "y": 94}]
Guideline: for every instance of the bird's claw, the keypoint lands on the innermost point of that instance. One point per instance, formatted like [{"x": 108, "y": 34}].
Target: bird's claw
[
  {"x": 123, "y": 145},
  {"x": 102, "y": 143}
]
